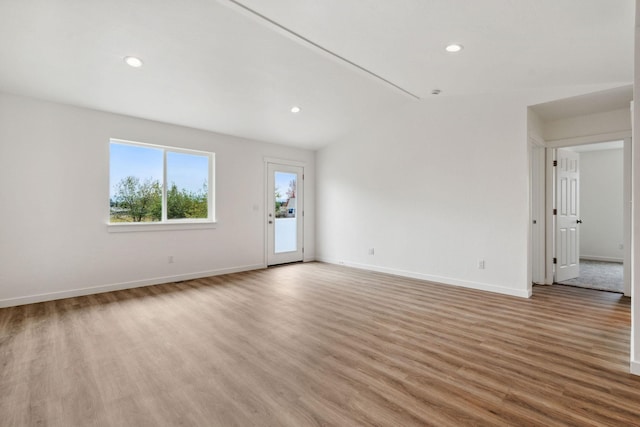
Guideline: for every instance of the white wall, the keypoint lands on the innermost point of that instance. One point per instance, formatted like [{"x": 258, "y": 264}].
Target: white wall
[
  {"x": 54, "y": 204},
  {"x": 535, "y": 126},
  {"x": 601, "y": 205},
  {"x": 433, "y": 188}
]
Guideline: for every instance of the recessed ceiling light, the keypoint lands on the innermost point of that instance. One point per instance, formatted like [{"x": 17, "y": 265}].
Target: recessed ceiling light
[
  {"x": 454, "y": 47},
  {"x": 295, "y": 109},
  {"x": 133, "y": 61}
]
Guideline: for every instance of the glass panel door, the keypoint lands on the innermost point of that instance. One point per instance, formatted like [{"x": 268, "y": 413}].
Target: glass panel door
[{"x": 284, "y": 214}]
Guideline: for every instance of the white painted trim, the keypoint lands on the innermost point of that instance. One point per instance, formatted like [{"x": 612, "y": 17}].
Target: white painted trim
[
  {"x": 601, "y": 258},
  {"x": 537, "y": 192},
  {"x": 431, "y": 278},
  {"x": 537, "y": 141},
  {"x": 130, "y": 227},
  {"x": 10, "y": 302},
  {"x": 285, "y": 162},
  {"x": 310, "y": 259},
  {"x": 589, "y": 139},
  {"x": 627, "y": 228},
  {"x": 550, "y": 218},
  {"x": 634, "y": 368}
]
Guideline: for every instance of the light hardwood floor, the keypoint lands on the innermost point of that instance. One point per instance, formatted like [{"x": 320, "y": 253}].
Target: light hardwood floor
[{"x": 315, "y": 344}]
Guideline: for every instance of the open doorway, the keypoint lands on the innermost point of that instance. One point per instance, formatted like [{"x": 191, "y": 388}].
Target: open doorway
[
  {"x": 578, "y": 121},
  {"x": 602, "y": 216},
  {"x": 596, "y": 225}
]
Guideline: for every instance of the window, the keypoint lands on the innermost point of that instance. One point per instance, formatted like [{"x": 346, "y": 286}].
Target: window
[{"x": 156, "y": 184}]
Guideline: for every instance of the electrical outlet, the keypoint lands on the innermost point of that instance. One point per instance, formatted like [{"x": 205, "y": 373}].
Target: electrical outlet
[
  {"x": 620, "y": 246},
  {"x": 481, "y": 264},
  {"x": 372, "y": 251},
  {"x": 170, "y": 259}
]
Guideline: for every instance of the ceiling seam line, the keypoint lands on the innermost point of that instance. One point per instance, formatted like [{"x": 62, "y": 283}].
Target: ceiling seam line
[{"x": 323, "y": 49}]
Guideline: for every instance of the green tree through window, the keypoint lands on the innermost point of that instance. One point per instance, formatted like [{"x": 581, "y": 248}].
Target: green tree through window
[
  {"x": 137, "y": 201},
  {"x": 138, "y": 174}
]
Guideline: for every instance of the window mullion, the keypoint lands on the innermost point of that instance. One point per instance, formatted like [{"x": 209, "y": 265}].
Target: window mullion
[
  {"x": 164, "y": 186},
  {"x": 211, "y": 201}
]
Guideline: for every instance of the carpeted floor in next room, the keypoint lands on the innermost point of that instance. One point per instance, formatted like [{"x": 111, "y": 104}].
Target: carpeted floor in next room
[{"x": 601, "y": 275}]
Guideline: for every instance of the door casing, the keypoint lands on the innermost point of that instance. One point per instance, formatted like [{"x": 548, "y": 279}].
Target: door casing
[
  {"x": 538, "y": 217},
  {"x": 268, "y": 257},
  {"x": 548, "y": 184}
]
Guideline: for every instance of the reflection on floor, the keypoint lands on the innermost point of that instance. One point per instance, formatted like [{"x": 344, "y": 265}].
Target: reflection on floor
[{"x": 605, "y": 276}]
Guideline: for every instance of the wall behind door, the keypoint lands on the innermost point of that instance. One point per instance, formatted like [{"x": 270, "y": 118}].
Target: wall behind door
[{"x": 601, "y": 205}]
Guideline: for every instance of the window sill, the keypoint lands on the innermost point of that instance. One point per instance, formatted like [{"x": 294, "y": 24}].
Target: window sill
[{"x": 159, "y": 226}]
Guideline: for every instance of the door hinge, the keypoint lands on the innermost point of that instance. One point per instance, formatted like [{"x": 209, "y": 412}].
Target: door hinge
[
  {"x": 555, "y": 260},
  {"x": 555, "y": 163},
  {"x": 302, "y": 250},
  {"x": 555, "y": 211}
]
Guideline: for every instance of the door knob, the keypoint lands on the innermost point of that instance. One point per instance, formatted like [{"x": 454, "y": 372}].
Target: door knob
[
  {"x": 579, "y": 221},
  {"x": 270, "y": 222}
]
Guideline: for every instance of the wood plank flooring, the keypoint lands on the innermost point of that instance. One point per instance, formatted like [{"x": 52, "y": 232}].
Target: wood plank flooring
[{"x": 317, "y": 345}]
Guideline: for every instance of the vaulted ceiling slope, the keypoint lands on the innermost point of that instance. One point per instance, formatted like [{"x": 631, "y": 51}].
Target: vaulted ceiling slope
[{"x": 237, "y": 67}]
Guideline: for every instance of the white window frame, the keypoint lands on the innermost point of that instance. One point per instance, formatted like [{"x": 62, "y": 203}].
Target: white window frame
[{"x": 165, "y": 223}]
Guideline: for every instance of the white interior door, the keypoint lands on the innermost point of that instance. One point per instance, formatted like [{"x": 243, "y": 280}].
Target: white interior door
[
  {"x": 285, "y": 213},
  {"x": 567, "y": 216}
]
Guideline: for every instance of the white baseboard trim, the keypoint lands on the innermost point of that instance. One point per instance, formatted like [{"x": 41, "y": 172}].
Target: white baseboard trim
[
  {"x": 31, "y": 299},
  {"x": 525, "y": 293},
  {"x": 601, "y": 258},
  {"x": 309, "y": 259},
  {"x": 635, "y": 368}
]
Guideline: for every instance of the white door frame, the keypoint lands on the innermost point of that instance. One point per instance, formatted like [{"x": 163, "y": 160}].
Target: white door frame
[
  {"x": 286, "y": 162},
  {"x": 627, "y": 225},
  {"x": 627, "y": 190},
  {"x": 537, "y": 202}
]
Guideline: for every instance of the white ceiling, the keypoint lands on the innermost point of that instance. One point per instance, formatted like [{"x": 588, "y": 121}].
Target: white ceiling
[{"x": 237, "y": 67}]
